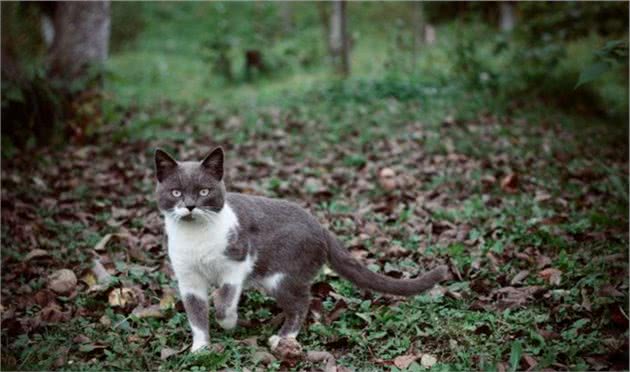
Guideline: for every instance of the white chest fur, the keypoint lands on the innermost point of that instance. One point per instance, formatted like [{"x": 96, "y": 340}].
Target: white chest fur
[{"x": 198, "y": 247}]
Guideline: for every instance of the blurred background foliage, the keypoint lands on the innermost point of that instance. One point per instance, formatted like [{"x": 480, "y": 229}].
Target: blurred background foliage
[{"x": 234, "y": 54}]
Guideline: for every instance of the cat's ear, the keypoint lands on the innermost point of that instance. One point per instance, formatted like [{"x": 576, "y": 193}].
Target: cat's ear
[
  {"x": 165, "y": 165},
  {"x": 214, "y": 163}
]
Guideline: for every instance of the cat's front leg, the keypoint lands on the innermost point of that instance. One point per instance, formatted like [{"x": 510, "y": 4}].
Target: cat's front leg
[
  {"x": 226, "y": 304},
  {"x": 194, "y": 292}
]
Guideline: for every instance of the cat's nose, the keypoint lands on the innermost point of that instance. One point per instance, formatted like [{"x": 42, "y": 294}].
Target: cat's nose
[{"x": 190, "y": 207}]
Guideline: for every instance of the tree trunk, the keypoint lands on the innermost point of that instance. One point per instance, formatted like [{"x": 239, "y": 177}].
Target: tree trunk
[
  {"x": 286, "y": 11},
  {"x": 81, "y": 37},
  {"x": 507, "y": 20},
  {"x": 417, "y": 27},
  {"x": 339, "y": 38}
]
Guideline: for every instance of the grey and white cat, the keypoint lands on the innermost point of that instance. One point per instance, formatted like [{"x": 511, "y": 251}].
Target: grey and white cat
[{"x": 235, "y": 241}]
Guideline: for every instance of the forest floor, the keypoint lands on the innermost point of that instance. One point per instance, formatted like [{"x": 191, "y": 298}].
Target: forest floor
[{"x": 528, "y": 207}]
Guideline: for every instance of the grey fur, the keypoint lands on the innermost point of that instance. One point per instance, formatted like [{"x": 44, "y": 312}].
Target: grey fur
[
  {"x": 283, "y": 237},
  {"x": 197, "y": 312},
  {"x": 222, "y": 301}
]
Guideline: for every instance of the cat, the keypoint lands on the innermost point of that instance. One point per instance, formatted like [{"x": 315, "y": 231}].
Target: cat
[{"x": 234, "y": 241}]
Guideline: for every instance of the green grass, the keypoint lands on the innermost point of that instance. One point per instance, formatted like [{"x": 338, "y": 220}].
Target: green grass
[{"x": 460, "y": 336}]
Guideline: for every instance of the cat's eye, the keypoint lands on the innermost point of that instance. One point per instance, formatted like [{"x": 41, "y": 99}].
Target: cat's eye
[
  {"x": 204, "y": 192},
  {"x": 176, "y": 193}
]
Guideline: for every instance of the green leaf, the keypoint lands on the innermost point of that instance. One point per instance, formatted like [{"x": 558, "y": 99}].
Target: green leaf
[
  {"x": 592, "y": 72},
  {"x": 515, "y": 355}
]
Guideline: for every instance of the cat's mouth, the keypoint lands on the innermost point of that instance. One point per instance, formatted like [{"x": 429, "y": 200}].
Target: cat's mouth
[{"x": 188, "y": 217}]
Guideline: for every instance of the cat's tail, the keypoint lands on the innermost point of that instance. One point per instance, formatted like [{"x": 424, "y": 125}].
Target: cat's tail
[{"x": 345, "y": 265}]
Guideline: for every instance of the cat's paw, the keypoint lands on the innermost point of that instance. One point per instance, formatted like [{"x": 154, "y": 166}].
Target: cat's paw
[
  {"x": 285, "y": 348},
  {"x": 229, "y": 321},
  {"x": 198, "y": 346},
  {"x": 274, "y": 341}
]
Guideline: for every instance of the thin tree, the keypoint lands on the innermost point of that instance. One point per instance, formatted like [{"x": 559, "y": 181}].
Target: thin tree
[
  {"x": 339, "y": 43},
  {"x": 417, "y": 27},
  {"x": 507, "y": 19},
  {"x": 80, "y": 37}
]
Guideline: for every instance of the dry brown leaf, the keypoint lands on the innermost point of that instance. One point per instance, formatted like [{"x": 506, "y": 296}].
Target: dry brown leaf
[
  {"x": 551, "y": 275},
  {"x": 81, "y": 339},
  {"x": 121, "y": 297},
  {"x": 167, "y": 352},
  {"x": 105, "y": 320},
  {"x": 387, "y": 179},
  {"x": 509, "y": 183},
  {"x": 518, "y": 278},
  {"x": 396, "y": 251},
  {"x": 168, "y": 300},
  {"x": 403, "y": 361},
  {"x": 263, "y": 357},
  {"x": 531, "y": 362},
  {"x": 511, "y": 297},
  {"x": 250, "y": 341},
  {"x": 336, "y": 311},
  {"x": 542, "y": 261},
  {"x": 608, "y": 290},
  {"x": 35, "y": 253},
  {"x": 62, "y": 281},
  {"x": 89, "y": 279},
  {"x": 53, "y": 314},
  {"x": 100, "y": 246},
  {"x": 99, "y": 271},
  {"x": 428, "y": 360},
  {"x": 152, "y": 311}
]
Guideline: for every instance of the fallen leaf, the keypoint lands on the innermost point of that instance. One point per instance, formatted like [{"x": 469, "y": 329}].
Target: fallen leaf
[
  {"x": 542, "y": 261},
  {"x": 53, "y": 314},
  {"x": 81, "y": 339},
  {"x": 618, "y": 316},
  {"x": 152, "y": 311},
  {"x": 551, "y": 275},
  {"x": 512, "y": 298},
  {"x": 121, "y": 297},
  {"x": 43, "y": 297},
  {"x": 323, "y": 356},
  {"x": 89, "y": 279},
  {"x": 542, "y": 196},
  {"x": 263, "y": 357},
  {"x": 99, "y": 271},
  {"x": 403, "y": 361},
  {"x": 608, "y": 290},
  {"x": 387, "y": 179},
  {"x": 250, "y": 341},
  {"x": 62, "y": 281},
  {"x": 518, "y": 278},
  {"x": 35, "y": 253},
  {"x": 168, "y": 300},
  {"x": 62, "y": 355},
  {"x": 531, "y": 362},
  {"x": 105, "y": 320},
  {"x": 396, "y": 251},
  {"x": 509, "y": 183},
  {"x": 100, "y": 246},
  {"x": 335, "y": 313},
  {"x": 167, "y": 352},
  {"x": 428, "y": 360}
]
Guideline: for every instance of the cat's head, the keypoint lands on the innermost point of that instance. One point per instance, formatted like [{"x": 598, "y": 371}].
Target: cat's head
[{"x": 190, "y": 190}]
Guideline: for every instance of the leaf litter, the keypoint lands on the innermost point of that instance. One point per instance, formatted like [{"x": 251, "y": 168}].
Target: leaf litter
[{"x": 400, "y": 208}]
